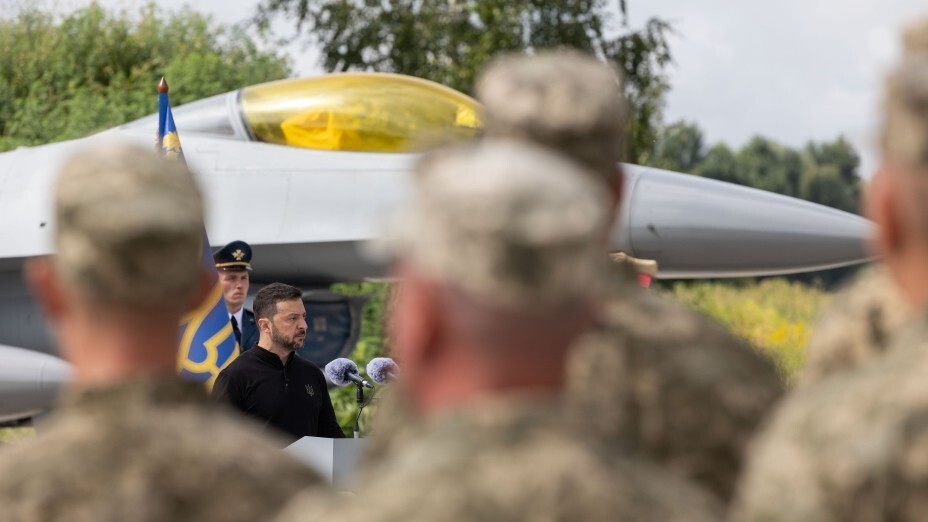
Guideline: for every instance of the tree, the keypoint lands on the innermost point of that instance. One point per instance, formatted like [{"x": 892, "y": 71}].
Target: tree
[
  {"x": 93, "y": 69},
  {"x": 680, "y": 147},
  {"x": 824, "y": 173},
  {"x": 769, "y": 166},
  {"x": 824, "y": 184},
  {"x": 831, "y": 176},
  {"x": 720, "y": 163},
  {"x": 449, "y": 41},
  {"x": 839, "y": 153}
]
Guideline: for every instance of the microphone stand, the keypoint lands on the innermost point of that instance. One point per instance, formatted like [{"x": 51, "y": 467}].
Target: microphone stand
[
  {"x": 357, "y": 419},
  {"x": 361, "y": 404}
]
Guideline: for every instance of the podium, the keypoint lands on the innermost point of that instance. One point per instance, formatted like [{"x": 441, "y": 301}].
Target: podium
[{"x": 336, "y": 460}]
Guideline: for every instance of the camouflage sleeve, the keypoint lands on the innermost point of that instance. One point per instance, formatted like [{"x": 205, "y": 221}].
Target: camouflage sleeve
[
  {"x": 832, "y": 453},
  {"x": 855, "y": 329},
  {"x": 779, "y": 483},
  {"x": 506, "y": 487},
  {"x": 680, "y": 388}
]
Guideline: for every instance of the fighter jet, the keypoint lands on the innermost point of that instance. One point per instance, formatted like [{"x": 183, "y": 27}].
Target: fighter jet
[{"x": 306, "y": 169}]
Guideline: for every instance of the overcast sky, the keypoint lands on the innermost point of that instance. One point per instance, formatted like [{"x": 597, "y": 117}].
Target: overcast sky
[{"x": 793, "y": 70}]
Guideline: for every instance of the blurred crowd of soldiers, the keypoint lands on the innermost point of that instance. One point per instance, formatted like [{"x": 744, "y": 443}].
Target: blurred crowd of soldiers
[{"x": 540, "y": 382}]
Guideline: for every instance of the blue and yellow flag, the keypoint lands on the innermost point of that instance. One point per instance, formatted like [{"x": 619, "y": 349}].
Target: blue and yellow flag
[{"x": 207, "y": 344}]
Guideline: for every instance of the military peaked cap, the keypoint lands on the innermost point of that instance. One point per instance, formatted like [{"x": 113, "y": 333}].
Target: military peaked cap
[{"x": 234, "y": 256}]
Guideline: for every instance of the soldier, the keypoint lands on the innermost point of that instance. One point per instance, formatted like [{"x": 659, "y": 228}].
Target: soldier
[
  {"x": 233, "y": 262},
  {"x": 852, "y": 447},
  {"x": 497, "y": 279},
  {"x": 653, "y": 375},
  {"x": 131, "y": 441},
  {"x": 857, "y": 328}
]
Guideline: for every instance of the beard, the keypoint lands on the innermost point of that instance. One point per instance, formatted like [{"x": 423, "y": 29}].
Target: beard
[{"x": 292, "y": 343}]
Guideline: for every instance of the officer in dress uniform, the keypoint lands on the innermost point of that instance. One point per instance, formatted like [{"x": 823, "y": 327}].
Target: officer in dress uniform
[{"x": 233, "y": 262}]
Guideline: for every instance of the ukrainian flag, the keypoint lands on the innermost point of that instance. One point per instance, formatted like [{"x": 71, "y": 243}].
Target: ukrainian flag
[{"x": 207, "y": 344}]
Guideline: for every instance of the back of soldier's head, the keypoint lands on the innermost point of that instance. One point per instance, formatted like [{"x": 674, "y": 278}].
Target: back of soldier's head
[
  {"x": 505, "y": 221},
  {"x": 566, "y": 100},
  {"x": 904, "y": 137},
  {"x": 129, "y": 226},
  {"x": 896, "y": 195}
]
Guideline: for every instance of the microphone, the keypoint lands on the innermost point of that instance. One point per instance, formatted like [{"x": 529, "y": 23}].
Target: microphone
[
  {"x": 341, "y": 371},
  {"x": 382, "y": 370}
]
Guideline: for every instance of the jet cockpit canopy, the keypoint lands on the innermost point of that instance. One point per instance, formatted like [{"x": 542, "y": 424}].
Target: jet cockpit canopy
[{"x": 361, "y": 112}]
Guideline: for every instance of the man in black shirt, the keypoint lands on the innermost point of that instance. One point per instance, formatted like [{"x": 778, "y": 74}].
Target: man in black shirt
[{"x": 271, "y": 382}]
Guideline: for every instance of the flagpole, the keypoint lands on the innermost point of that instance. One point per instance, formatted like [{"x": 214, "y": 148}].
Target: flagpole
[{"x": 207, "y": 341}]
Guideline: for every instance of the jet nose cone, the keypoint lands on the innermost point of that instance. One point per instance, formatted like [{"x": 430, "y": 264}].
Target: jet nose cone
[
  {"x": 696, "y": 227},
  {"x": 29, "y": 382}
]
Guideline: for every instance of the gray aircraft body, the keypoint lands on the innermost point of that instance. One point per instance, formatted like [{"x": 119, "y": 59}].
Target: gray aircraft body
[{"x": 306, "y": 170}]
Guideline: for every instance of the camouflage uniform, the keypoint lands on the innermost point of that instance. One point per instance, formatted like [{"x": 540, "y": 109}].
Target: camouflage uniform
[
  {"x": 133, "y": 443},
  {"x": 508, "y": 461},
  {"x": 672, "y": 384},
  {"x": 510, "y": 224},
  {"x": 654, "y": 376},
  {"x": 147, "y": 450},
  {"x": 857, "y": 328},
  {"x": 853, "y": 447}
]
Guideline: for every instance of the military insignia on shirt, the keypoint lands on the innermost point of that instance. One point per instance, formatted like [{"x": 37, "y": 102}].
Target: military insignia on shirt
[{"x": 309, "y": 390}]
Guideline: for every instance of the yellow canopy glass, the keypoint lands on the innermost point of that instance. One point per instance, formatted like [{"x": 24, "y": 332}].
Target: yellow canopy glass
[{"x": 368, "y": 112}]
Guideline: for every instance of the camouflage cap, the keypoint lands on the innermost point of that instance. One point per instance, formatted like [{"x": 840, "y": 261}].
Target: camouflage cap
[
  {"x": 566, "y": 100},
  {"x": 129, "y": 225},
  {"x": 904, "y": 139},
  {"x": 506, "y": 221}
]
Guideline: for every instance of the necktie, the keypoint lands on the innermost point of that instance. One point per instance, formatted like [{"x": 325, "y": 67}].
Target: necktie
[{"x": 237, "y": 332}]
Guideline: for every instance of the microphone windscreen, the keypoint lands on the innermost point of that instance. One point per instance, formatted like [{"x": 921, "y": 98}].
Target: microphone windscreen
[
  {"x": 338, "y": 369},
  {"x": 382, "y": 370}
]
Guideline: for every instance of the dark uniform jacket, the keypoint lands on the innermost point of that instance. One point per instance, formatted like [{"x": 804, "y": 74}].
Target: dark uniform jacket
[
  {"x": 249, "y": 330},
  {"x": 292, "y": 397}
]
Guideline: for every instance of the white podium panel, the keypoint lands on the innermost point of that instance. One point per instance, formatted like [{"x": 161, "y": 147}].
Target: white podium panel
[{"x": 337, "y": 460}]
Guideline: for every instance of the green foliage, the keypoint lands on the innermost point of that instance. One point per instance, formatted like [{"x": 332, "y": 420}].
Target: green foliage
[
  {"x": 371, "y": 343},
  {"x": 775, "y": 316},
  {"x": 719, "y": 163},
  {"x": 62, "y": 78},
  {"x": 450, "y": 41},
  {"x": 824, "y": 184},
  {"x": 12, "y": 435},
  {"x": 768, "y": 166},
  {"x": 680, "y": 148},
  {"x": 824, "y": 173}
]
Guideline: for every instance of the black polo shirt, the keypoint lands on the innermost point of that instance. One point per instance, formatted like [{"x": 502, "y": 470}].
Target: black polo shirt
[{"x": 292, "y": 397}]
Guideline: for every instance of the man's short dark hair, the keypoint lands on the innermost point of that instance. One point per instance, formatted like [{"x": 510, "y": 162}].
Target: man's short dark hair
[{"x": 265, "y": 305}]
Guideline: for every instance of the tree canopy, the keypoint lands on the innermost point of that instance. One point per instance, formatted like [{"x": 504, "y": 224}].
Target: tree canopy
[
  {"x": 66, "y": 77},
  {"x": 449, "y": 41},
  {"x": 824, "y": 172}
]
